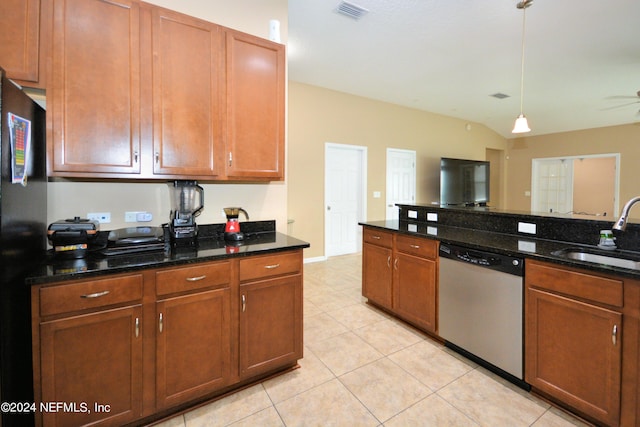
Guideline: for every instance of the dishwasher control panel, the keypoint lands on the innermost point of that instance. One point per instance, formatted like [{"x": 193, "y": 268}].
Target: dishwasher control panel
[{"x": 504, "y": 263}]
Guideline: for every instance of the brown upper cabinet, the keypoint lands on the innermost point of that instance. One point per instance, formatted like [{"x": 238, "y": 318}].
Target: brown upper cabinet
[
  {"x": 93, "y": 99},
  {"x": 20, "y": 42},
  {"x": 255, "y": 107},
  {"x": 139, "y": 91},
  {"x": 187, "y": 80}
]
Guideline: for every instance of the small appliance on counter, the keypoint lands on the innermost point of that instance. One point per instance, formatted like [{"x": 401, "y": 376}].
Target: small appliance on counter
[
  {"x": 71, "y": 238},
  {"x": 184, "y": 210},
  {"x": 133, "y": 240},
  {"x": 232, "y": 231}
]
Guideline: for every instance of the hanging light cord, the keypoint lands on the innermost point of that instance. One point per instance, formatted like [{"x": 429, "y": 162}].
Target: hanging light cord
[{"x": 523, "y": 5}]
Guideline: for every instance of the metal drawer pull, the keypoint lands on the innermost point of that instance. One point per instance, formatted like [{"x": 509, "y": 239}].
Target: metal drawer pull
[
  {"x": 195, "y": 279},
  {"x": 161, "y": 323},
  {"x": 137, "y": 327},
  {"x": 395, "y": 263},
  {"x": 96, "y": 295},
  {"x": 415, "y": 246},
  {"x": 272, "y": 266},
  {"x": 376, "y": 237},
  {"x": 614, "y": 334},
  {"x": 244, "y": 303},
  {"x": 389, "y": 261}
]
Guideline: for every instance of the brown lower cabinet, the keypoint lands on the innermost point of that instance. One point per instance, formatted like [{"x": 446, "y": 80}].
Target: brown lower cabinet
[
  {"x": 400, "y": 274},
  {"x": 126, "y": 347},
  {"x": 581, "y": 341}
]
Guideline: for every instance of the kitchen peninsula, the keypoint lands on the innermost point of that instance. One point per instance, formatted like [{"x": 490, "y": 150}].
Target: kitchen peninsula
[
  {"x": 147, "y": 335},
  {"x": 581, "y": 319}
]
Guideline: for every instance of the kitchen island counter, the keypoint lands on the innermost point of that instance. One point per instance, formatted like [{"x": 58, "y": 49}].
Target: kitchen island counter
[{"x": 503, "y": 243}]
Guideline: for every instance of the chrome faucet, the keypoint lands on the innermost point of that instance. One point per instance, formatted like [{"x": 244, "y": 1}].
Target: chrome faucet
[{"x": 621, "y": 223}]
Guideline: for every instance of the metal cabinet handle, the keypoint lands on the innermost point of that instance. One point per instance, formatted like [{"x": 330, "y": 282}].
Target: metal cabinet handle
[
  {"x": 389, "y": 261},
  {"x": 95, "y": 295},
  {"x": 395, "y": 263},
  {"x": 196, "y": 279},
  {"x": 137, "y": 327},
  {"x": 244, "y": 303},
  {"x": 376, "y": 237},
  {"x": 157, "y": 156},
  {"x": 230, "y": 158},
  {"x": 614, "y": 334},
  {"x": 161, "y": 323},
  {"x": 415, "y": 246},
  {"x": 272, "y": 266}
]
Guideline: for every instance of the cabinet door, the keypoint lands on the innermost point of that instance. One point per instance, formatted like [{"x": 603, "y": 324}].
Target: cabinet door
[
  {"x": 193, "y": 354},
  {"x": 89, "y": 360},
  {"x": 94, "y": 96},
  {"x": 19, "y": 39},
  {"x": 270, "y": 324},
  {"x": 255, "y": 107},
  {"x": 573, "y": 353},
  {"x": 377, "y": 274},
  {"x": 414, "y": 290},
  {"x": 187, "y": 75}
]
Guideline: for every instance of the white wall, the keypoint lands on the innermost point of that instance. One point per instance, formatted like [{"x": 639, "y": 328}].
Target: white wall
[{"x": 67, "y": 199}]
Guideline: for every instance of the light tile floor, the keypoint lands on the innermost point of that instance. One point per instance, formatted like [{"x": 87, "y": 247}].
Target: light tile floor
[{"x": 362, "y": 367}]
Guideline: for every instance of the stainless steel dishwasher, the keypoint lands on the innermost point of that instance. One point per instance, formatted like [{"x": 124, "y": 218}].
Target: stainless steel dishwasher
[{"x": 481, "y": 308}]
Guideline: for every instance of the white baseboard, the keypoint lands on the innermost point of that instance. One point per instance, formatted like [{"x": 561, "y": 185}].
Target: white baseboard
[{"x": 315, "y": 259}]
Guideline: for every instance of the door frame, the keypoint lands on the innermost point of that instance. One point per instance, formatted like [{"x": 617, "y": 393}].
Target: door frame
[
  {"x": 362, "y": 190},
  {"x": 387, "y": 178},
  {"x": 537, "y": 162}
]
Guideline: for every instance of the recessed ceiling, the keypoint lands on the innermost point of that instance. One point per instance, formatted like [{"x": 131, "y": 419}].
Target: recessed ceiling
[{"x": 582, "y": 58}]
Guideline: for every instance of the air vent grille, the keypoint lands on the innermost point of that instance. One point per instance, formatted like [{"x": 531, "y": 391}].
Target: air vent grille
[
  {"x": 351, "y": 10},
  {"x": 500, "y": 95}
]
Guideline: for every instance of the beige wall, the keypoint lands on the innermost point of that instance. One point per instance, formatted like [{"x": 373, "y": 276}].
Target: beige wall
[
  {"x": 263, "y": 201},
  {"x": 318, "y": 116},
  {"x": 623, "y": 139}
]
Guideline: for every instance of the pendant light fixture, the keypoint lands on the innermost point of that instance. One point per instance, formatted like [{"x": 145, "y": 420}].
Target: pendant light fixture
[{"x": 521, "y": 125}]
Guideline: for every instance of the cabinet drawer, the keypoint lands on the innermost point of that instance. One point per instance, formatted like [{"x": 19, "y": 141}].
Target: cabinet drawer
[
  {"x": 259, "y": 267},
  {"x": 194, "y": 277},
  {"x": 417, "y": 246},
  {"x": 574, "y": 283},
  {"x": 377, "y": 237},
  {"x": 90, "y": 294}
]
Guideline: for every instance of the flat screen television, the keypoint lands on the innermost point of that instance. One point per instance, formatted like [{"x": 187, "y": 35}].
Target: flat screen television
[{"x": 464, "y": 182}]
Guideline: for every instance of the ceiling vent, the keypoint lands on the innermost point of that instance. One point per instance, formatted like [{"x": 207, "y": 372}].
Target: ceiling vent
[
  {"x": 351, "y": 10},
  {"x": 500, "y": 95}
]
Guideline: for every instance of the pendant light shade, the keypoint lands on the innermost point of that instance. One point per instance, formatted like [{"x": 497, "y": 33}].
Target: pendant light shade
[{"x": 521, "y": 125}]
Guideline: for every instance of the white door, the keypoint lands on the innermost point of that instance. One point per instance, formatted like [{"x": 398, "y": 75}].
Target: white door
[
  {"x": 401, "y": 180},
  {"x": 345, "y": 189}
]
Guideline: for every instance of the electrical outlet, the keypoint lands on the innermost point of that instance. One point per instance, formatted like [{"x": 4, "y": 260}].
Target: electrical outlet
[
  {"x": 137, "y": 216},
  {"x": 101, "y": 217}
]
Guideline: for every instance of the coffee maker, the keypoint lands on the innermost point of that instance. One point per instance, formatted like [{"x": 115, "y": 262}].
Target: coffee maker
[
  {"x": 232, "y": 231},
  {"x": 182, "y": 227}
]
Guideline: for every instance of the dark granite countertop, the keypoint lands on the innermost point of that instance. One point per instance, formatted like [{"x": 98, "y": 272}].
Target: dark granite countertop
[
  {"x": 209, "y": 248},
  {"x": 508, "y": 244}
]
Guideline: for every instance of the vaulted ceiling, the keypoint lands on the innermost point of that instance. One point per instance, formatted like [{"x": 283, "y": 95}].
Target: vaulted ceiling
[{"x": 582, "y": 58}]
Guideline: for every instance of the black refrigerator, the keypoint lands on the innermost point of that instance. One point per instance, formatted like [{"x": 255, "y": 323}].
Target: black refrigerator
[{"x": 23, "y": 242}]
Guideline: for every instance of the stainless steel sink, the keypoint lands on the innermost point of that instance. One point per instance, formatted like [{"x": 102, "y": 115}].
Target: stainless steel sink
[{"x": 613, "y": 258}]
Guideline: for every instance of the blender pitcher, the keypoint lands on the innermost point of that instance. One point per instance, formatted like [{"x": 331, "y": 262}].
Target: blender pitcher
[{"x": 184, "y": 208}]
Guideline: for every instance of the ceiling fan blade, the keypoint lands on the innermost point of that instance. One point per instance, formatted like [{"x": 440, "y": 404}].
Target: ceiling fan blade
[{"x": 619, "y": 106}]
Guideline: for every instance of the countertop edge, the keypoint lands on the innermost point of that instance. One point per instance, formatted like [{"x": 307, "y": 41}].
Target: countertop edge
[{"x": 42, "y": 275}]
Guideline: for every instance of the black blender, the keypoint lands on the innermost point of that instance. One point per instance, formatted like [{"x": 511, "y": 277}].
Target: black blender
[{"x": 183, "y": 228}]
